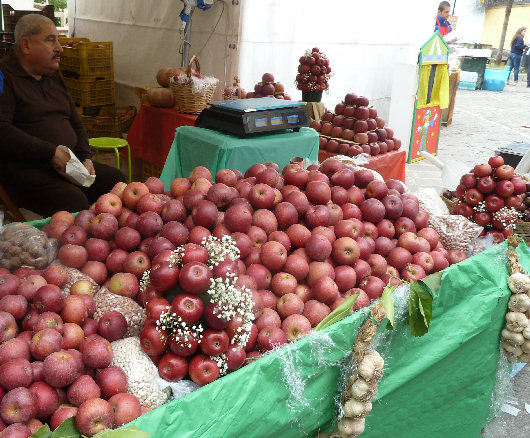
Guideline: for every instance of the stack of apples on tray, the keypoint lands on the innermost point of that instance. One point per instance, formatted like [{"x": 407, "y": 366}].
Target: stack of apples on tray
[
  {"x": 355, "y": 128},
  {"x": 268, "y": 88},
  {"x": 491, "y": 195},
  {"x": 296, "y": 243}
]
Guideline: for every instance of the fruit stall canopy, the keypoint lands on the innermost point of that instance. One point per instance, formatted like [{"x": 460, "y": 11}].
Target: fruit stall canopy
[{"x": 372, "y": 46}]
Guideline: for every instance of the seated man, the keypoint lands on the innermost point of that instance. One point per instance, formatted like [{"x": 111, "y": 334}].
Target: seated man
[{"x": 37, "y": 114}]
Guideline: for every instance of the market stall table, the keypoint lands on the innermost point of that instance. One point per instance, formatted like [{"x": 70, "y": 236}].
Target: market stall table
[
  {"x": 194, "y": 147},
  {"x": 390, "y": 165},
  {"x": 153, "y": 131}
]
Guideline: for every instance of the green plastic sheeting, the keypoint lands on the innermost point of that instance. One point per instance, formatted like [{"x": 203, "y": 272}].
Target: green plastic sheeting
[
  {"x": 438, "y": 385},
  {"x": 194, "y": 147}
]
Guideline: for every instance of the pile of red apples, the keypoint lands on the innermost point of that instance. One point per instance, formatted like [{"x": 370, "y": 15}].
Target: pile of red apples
[
  {"x": 491, "y": 195},
  {"x": 355, "y": 128},
  {"x": 313, "y": 71},
  {"x": 55, "y": 359},
  {"x": 307, "y": 239},
  {"x": 267, "y": 88}
]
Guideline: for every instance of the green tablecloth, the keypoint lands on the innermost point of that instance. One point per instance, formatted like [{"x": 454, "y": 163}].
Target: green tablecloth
[{"x": 203, "y": 147}]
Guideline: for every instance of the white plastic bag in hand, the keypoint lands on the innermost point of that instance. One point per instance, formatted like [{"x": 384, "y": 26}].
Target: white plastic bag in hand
[{"x": 76, "y": 172}]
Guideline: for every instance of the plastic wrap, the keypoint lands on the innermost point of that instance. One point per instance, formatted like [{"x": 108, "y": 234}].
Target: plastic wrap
[
  {"x": 456, "y": 232},
  {"x": 355, "y": 163},
  {"x": 24, "y": 245},
  {"x": 431, "y": 202},
  {"x": 133, "y": 312}
]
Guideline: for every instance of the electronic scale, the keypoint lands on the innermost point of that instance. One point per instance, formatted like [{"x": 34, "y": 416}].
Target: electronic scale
[{"x": 243, "y": 117}]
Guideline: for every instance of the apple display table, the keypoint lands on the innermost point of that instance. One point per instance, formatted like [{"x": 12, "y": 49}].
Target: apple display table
[
  {"x": 153, "y": 130},
  {"x": 390, "y": 165},
  {"x": 194, "y": 147}
]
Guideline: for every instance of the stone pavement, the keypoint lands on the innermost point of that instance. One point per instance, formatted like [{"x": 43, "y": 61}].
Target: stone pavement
[{"x": 483, "y": 121}]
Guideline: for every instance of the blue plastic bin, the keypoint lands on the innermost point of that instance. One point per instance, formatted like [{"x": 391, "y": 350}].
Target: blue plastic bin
[{"x": 495, "y": 80}]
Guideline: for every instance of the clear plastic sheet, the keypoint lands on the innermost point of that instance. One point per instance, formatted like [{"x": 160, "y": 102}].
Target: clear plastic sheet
[
  {"x": 455, "y": 231},
  {"x": 24, "y": 245}
]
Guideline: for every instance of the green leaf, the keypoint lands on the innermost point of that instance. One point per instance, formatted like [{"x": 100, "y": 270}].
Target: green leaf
[
  {"x": 433, "y": 281},
  {"x": 42, "y": 432},
  {"x": 342, "y": 311},
  {"x": 387, "y": 301},
  {"x": 420, "y": 309},
  {"x": 128, "y": 432},
  {"x": 66, "y": 429}
]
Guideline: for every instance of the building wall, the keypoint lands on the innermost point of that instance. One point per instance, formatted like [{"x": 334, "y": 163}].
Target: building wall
[{"x": 494, "y": 19}]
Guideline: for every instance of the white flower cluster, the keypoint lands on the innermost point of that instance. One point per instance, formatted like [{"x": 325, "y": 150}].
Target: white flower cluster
[
  {"x": 145, "y": 282},
  {"x": 171, "y": 323},
  {"x": 232, "y": 301},
  {"x": 507, "y": 216},
  {"x": 220, "y": 249},
  {"x": 175, "y": 259},
  {"x": 481, "y": 206},
  {"x": 221, "y": 363}
]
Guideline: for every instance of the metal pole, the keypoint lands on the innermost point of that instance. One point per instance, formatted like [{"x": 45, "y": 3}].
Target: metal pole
[
  {"x": 454, "y": 6},
  {"x": 187, "y": 43},
  {"x": 1, "y": 17}
]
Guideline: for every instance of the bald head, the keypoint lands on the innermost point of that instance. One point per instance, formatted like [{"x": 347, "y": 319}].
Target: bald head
[{"x": 30, "y": 25}]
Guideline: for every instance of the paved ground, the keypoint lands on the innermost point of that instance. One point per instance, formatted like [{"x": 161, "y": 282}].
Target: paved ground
[{"x": 483, "y": 121}]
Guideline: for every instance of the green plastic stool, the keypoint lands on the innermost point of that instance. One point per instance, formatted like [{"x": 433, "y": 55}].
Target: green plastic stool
[{"x": 98, "y": 143}]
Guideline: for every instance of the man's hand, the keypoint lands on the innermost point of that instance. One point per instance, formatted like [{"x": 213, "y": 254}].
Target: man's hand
[
  {"x": 89, "y": 166},
  {"x": 60, "y": 159}
]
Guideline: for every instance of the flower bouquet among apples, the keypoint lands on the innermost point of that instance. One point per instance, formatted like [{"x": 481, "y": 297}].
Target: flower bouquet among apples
[
  {"x": 314, "y": 71},
  {"x": 491, "y": 195}
]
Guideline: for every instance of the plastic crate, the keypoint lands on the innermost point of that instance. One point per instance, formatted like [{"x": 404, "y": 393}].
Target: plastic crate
[
  {"x": 468, "y": 76},
  {"x": 495, "y": 80},
  {"x": 91, "y": 91},
  {"x": 150, "y": 169},
  {"x": 111, "y": 122},
  {"x": 513, "y": 153},
  {"x": 467, "y": 85},
  {"x": 88, "y": 58}
]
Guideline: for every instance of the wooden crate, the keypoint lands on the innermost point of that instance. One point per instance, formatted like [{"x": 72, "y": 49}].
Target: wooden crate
[
  {"x": 523, "y": 229},
  {"x": 150, "y": 169}
]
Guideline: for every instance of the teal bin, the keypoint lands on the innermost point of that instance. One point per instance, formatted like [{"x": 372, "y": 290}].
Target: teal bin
[{"x": 495, "y": 80}]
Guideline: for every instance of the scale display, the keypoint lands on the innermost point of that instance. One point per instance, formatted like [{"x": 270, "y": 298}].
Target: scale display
[{"x": 244, "y": 117}]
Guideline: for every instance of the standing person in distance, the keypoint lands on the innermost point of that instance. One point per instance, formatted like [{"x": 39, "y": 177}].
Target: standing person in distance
[
  {"x": 442, "y": 25},
  {"x": 518, "y": 47}
]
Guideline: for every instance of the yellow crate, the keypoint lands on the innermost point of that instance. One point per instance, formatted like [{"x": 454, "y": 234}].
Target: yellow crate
[
  {"x": 91, "y": 91},
  {"x": 150, "y": 169},
  {"x": 88, "y": 58},
  {"x": 111, "y": 122}
]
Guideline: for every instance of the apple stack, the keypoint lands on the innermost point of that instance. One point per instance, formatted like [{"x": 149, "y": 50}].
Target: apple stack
[
  {"x": 355, "y": 128},
  {"x": 491, "y": 196},
  {"x": 313, "y": 72},
  {"x": 54, "y": 359},
  {"x": 268, "y": 88}
]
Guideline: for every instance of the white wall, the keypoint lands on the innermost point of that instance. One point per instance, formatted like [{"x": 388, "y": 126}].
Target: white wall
[
  {"x": 470, "y": 20},
  {"x": 372, "y": 47},
  {"x": 22, "y": 5}
]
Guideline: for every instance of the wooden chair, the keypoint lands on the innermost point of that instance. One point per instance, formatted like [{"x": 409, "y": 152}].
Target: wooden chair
[{"x": 10, "y": 207}]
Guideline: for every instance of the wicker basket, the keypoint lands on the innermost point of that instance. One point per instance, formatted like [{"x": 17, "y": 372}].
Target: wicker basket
[
  {"x": 448, "y": 202},
  {"x": 187, "y": 101}
]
